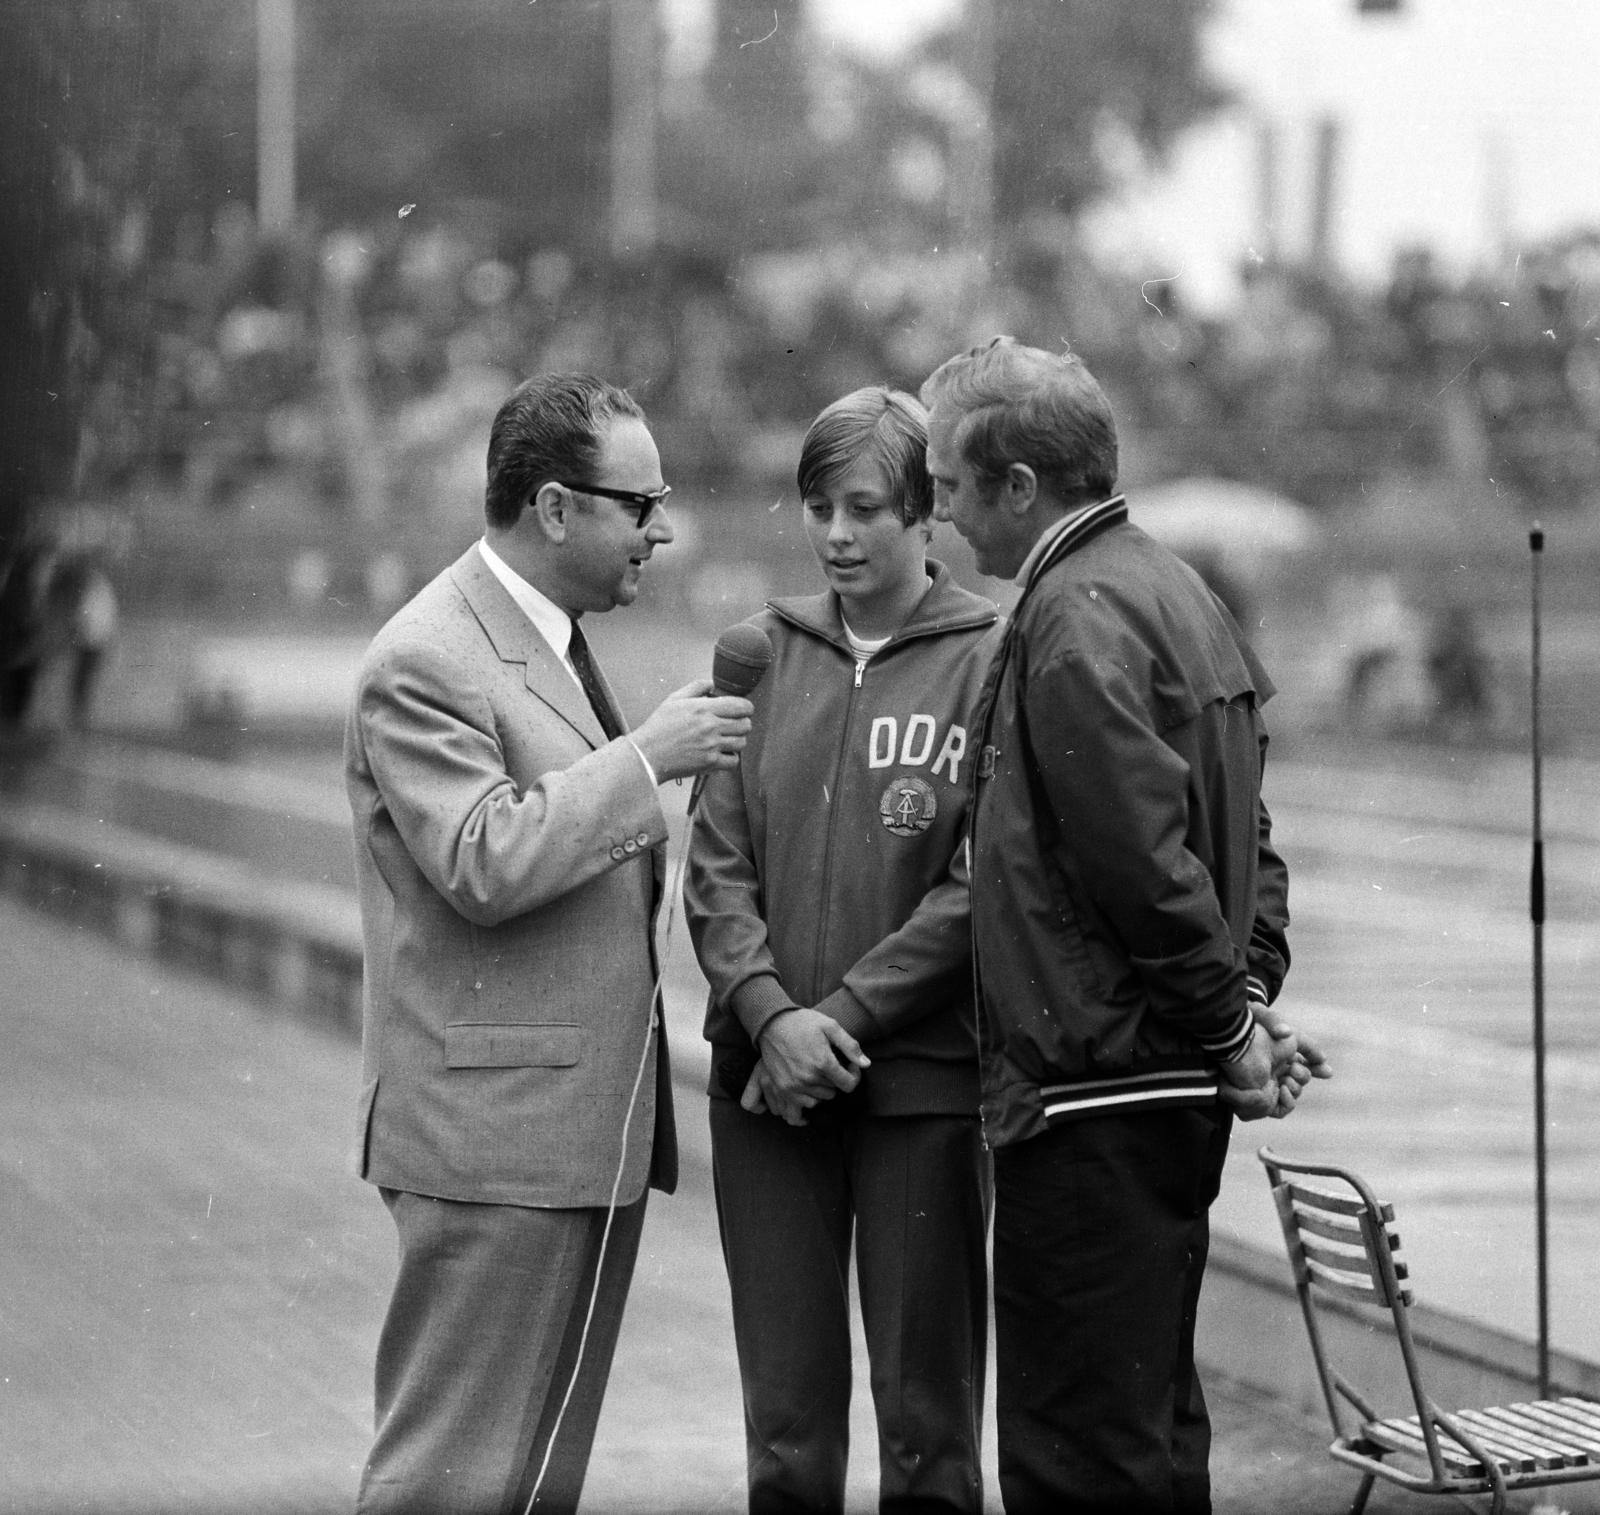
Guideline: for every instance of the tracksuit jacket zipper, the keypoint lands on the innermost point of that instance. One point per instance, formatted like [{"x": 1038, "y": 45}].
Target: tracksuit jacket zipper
[
  {"x": 900, "y": 639},
  {"x": 833, "y": 812}
]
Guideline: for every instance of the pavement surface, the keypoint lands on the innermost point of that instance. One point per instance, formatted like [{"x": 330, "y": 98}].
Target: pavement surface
[
  {"x": 193, "y": 1280},
  {"x": 1412, "y": 960}
]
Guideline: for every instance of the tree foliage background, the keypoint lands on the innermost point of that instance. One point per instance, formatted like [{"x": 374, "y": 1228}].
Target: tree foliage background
[
  {"x": 127, "y": 148},
  {"x": 1077, "y": 78}
]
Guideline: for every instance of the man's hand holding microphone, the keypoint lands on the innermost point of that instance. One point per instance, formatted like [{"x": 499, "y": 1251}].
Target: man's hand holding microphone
[
  {"x": 693, "y": 730},
  {"x": 705, "y": 724}
]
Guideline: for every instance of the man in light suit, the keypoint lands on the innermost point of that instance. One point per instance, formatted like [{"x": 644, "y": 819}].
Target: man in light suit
[{"x": 516, "y": 1102}]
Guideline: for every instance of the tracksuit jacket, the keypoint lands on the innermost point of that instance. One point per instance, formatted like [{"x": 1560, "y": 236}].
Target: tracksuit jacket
[
  {"x": 1127, "y": 902},
  {"x": 828, "y": 869}
]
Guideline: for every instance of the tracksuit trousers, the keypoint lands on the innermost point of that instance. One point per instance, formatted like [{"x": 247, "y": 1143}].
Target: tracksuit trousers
[
  {"x": 1100, "y": 1239},
  {"x": 914, "y": 1189}
]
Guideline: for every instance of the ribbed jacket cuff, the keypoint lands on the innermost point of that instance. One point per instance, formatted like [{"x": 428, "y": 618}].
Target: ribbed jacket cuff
[
  {"x": 1236, "y": 1043},
  {"x": 756, "y": 1001},
  {"x": 850, "y": 1013},
  {"x": 1255, "y": 998}
]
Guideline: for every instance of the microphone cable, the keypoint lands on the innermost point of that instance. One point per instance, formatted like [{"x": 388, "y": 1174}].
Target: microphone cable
[
  {"x": 739, "y": 662},
  {"x": 657, "y": 1010}
]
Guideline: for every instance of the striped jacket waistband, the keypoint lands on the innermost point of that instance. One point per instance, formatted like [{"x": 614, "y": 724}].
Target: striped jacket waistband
[{"x": 1176, "y": 1088}]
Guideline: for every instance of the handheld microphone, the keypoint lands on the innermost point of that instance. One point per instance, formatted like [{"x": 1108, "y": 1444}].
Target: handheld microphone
[
  {"x": 740, "y": 662},
  {"x": 743, "y": 654}
]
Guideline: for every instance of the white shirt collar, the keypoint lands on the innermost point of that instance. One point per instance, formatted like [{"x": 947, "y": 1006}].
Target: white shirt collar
[
  {"x": 551, "y": 622},
  {"x": 549, "y": 619},
  {"x": 1046, "y": 542}
]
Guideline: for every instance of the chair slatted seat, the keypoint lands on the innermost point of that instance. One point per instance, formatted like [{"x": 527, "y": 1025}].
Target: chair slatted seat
[
  {"x": 1405, "y": 1435},
  {"x": 1538, "y": 1434},
  {"x": 1343, "y": 1246},
  {"x": 1528, "y": 1451},
  {"x": 1584, "y": 1411},
  {"x": 1574, "y": 1439},
  {"x": 1547, "y": 1414}
]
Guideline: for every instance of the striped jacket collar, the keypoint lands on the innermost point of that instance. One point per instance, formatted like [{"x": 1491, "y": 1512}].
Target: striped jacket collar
[{"x": 1069, "y": 533}]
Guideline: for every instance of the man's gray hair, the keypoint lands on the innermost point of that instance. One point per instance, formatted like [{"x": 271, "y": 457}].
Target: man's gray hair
[{"x": 1023, "y": 405}]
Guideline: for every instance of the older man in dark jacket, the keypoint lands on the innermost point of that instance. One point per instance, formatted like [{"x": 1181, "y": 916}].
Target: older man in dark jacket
[{"x": 1128, "y": 924}]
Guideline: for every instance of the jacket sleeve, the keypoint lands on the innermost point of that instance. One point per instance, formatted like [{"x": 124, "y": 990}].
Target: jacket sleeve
[
  {"x": 1267, "y": 956},
  {"x": 1119, "y": 795},
  {"x": 915, "y": 970},
  {"x": 493, "y": 851},
  {"x": 722, "y": 904}
]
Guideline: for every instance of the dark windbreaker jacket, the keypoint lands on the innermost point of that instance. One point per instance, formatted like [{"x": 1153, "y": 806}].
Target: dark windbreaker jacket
[
  {"x": 828, "y": 869},
  {"x": 1127, "y": 901}
]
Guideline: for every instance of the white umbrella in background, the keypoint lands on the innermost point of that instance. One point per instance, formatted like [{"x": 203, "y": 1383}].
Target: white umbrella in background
[{"x": 1241, "y": 529}]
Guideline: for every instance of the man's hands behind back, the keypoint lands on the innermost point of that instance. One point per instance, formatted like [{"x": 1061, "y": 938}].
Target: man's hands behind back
[{"x": 1278, "y": 1064}]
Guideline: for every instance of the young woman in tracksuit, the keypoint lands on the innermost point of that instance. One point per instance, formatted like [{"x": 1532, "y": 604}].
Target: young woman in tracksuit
[{"x": 827, "y": 897}]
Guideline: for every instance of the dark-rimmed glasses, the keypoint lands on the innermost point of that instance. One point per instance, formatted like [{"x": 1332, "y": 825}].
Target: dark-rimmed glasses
[{"x": 645, "y": 503}]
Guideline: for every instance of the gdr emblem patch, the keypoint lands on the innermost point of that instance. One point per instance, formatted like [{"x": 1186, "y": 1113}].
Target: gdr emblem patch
[{"x": 908, "y": 805}]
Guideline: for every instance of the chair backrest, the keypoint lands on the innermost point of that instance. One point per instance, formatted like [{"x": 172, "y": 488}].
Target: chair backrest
[
  {"x": 1337, "y": 1242},
  {"x": 1342, "y": 1242}
]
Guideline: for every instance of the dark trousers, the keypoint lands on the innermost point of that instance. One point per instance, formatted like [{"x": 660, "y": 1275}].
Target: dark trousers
[
  {"x": 477, "y": 1351},
  {"x": 1100, "y": 1239},
  {"x": 916, "y": 1189}
]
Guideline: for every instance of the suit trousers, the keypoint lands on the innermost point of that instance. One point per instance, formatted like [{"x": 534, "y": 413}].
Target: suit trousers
[
  {"x": 1100, "y": 1238},
  {"x": 915, "y": 1190},
  {"x": 478, "y": 1348}
]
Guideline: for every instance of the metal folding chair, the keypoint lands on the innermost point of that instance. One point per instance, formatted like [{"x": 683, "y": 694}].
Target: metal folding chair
[{"x": 1342, "y": 1243}]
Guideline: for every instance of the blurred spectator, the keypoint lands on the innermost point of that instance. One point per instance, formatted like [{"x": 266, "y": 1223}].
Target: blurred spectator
[
  {"x": 56, "y": 604},
  {"x": 82, "y": 598},
  {"x": 1460, "y": 671},
  {"x": 1381, "y": 644},
  {"x": 22, "y": 630}
]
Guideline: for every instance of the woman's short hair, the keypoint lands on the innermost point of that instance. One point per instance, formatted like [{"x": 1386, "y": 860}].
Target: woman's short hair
[
  {"x": 878, "y": 422},
  {"x": 548, "y": 429},
  {"x": 1024, "y": 405}
]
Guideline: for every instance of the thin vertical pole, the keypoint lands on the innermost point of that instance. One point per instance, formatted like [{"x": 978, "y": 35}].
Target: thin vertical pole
[
  {"x": 1267, "y": 189},
  {"x": 275, "y": 112},
  {"x": 633, "y": 127},
  {"x": 1325, "y": 190},
  {"x": 972, "y": 167},
  {"x": 1536, "y": 911}
]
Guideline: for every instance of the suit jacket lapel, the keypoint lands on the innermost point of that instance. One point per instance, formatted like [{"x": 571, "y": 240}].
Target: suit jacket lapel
[{"x": 517, "y": 640}]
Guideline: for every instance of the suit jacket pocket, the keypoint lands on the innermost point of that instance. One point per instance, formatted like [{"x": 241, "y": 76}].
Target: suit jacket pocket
[{"x": 500, "y": 1044}]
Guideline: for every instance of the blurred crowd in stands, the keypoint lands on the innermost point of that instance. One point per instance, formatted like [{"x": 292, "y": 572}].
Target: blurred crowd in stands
[
  {"x": 365, "y": 364},
  {"x": 350, "y": 379},
  {"x": 289, "y": 430}
]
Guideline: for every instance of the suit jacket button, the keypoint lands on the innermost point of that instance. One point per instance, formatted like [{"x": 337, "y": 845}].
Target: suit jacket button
[
  {"x": 617, "y": 854},
  {"x": 630, "y": 846},
  {"x": 644, "y": 838}
]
